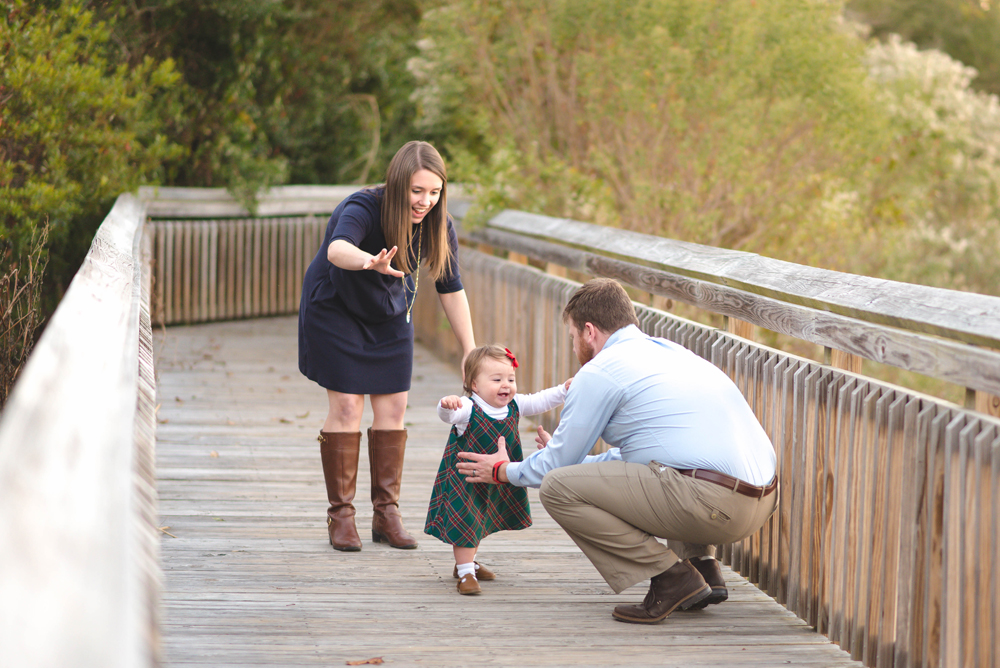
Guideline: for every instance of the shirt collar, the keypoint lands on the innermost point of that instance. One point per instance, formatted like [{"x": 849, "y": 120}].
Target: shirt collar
[{"x": 626, "y": 333}]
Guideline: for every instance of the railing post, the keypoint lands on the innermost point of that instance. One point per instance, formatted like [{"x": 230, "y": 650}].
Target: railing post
[
  {"x": 838, "y": 359},
  {"x": 982, "y": 402},
  {"x": 741, "y": 328},
  {"x": 518, "y": 258},
  {"x": 554, "y": 269}
]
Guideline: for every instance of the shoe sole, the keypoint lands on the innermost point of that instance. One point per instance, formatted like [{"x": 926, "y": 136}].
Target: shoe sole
[
  {"x": 717, "y": 596},
  {"x": 349, "y": 548},
  {"x": 690, "y": 600},
  {"x": 379, "y": 538}
]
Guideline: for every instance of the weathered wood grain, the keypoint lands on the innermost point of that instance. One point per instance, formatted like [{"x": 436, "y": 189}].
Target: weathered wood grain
[
  {"x": 78, "y": 564},
  {"x": 251, "y": 579},
  {"x": 959, "y": 315},
  {"x": 860, "y": 333},
  {"x": 859, "y": 540}
]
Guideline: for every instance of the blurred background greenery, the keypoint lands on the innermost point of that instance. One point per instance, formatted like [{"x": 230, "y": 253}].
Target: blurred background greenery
[{"x": 862, "y": 137}]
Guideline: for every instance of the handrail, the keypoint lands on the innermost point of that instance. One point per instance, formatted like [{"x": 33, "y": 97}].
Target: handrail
[
  {"x": 884, "y": 537},
  {"x": 935, "y": 332},
  {"x": 885, "y": 534},
  {"x": 79, "y": 566}
]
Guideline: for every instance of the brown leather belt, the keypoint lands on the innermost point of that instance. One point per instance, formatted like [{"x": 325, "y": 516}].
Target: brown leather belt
[{"x": 732, "y": 483}]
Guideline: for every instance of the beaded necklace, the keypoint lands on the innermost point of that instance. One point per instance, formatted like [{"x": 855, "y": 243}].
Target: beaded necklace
[{"x": 416, "y": 283}]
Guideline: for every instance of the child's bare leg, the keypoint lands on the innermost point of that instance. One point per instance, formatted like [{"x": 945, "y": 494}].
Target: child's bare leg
[{"x": 464, "y": 555}]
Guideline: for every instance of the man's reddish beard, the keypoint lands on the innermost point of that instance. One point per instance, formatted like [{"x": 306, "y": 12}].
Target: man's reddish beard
[{"x": 585, "y": 351}]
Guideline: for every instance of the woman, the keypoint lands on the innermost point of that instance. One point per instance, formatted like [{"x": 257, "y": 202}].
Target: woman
[{"x": 356, "y": 334}]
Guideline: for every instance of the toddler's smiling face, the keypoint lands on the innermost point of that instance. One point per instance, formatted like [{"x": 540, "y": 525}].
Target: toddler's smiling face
[{"x": 496, "y": 382}]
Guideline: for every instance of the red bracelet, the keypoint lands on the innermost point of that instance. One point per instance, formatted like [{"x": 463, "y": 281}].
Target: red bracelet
[{"x": 496, "y": 471}]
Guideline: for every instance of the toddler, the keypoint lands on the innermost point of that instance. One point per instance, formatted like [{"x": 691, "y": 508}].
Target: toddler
[{"x": 461, "y": 513}]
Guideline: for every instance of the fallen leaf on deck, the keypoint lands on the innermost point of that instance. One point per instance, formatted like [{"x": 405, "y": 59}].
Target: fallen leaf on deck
[
  {"x": 367, "y": 662},
  {"x": 285, "y": 421},
  {"x": 304, "y": 415},
  {"x": 213, "y": 453},
  {"x": 164, "y": 530}
]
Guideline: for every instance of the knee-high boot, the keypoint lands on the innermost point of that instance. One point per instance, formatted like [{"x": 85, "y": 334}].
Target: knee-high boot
[
  {"x": 339, "y": 452},
  {"x": 385, "y": 454}
]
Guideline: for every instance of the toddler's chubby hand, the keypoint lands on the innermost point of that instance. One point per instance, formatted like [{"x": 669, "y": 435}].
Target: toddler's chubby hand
[
  {"x": 568, "y": 382},
  {"x": 451, "y": 402}
]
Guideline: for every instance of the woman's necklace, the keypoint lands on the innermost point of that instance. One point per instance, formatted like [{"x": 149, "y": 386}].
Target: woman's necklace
[{"x": 416, "y": 283}]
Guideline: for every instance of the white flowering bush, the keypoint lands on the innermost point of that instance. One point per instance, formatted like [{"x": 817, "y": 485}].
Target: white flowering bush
[
  {"x": 948, "y": 145},
  {"x": 930, "y": 93}
]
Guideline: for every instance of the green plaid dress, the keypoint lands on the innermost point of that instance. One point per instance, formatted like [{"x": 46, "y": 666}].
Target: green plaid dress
[{"x": 463, "y": 513}]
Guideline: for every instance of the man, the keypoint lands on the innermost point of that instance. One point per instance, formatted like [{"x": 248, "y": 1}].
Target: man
[{"x": 688, "y": 460}]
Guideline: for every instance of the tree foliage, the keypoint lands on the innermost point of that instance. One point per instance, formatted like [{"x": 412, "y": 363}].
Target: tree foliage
[
  {"x": 76, "y": 128},
  {"x": 967, "y": 30},
  {"x": 309, "y": 91},
  {"x": 722, "y": 122},
  {"x": 733, "y": 123}
]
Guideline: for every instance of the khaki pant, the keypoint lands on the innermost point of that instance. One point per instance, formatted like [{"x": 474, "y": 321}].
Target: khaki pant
[{"x": 615, "y": 510}]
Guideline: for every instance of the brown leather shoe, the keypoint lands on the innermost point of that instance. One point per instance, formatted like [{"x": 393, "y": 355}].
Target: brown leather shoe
[
  {"x": 482, "y": 573},
  {"x": 339, "y": 454},
  {"x": 712, "y": 572},
  {"x": 468, "y": 585},
  {"x": 385, "y": 457},
  {"x": 678, "y": 585}
]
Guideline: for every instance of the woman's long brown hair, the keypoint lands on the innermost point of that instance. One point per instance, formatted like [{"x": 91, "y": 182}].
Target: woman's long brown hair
[{"x": 397, "y": 222}]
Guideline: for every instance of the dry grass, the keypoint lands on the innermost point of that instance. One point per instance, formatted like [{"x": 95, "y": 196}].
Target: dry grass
[{"x": 20, "y": 312}]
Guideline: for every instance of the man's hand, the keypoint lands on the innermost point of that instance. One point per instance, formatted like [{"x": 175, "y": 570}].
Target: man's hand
[
  {"x": 479, "y": 468},
  {"x": 381, "y": 263},
  {"x": 543, "y": 437},
  {"x": 451, "y": 402}
]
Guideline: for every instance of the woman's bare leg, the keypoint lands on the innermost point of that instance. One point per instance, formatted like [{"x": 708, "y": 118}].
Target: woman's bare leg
[
  {"x": 345, "y": 412},
  {"x": 389, "y": 410}
]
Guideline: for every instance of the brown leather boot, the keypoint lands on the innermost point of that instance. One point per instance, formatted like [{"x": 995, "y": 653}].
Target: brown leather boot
[
  {"x": 712, "y": 572},
  {"x": 679, "y": 585},
  {"x": 385, "y": 455},
  {"x": 339, "y": 452}
]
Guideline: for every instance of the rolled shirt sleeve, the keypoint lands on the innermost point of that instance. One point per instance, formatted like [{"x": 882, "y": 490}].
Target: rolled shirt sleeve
[{"x": 592, "y": 399}]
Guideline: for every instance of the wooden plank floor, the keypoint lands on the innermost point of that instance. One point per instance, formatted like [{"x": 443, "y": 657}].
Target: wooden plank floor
[{"x": 251, "y": 580}]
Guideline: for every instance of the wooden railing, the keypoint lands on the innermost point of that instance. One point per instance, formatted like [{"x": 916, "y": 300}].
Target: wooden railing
[
  {"x": 79, "y": 545},
  {"x": 885, "y": 536},
  {"x": 213, "y": 261}
]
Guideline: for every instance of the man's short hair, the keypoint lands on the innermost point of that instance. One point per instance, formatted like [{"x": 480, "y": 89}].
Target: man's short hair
[{"x": 603, "y": 303}]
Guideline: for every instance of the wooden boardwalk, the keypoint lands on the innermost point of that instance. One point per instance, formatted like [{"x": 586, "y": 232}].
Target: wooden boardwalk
[{"x": 251, "y": 580}]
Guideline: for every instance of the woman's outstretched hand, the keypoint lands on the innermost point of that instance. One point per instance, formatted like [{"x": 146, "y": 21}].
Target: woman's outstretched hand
[
  {"x": 479, "y": 468},
  {"x": 380, "y": 263}
]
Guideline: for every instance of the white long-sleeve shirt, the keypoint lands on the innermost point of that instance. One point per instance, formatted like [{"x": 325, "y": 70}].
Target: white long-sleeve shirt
[{"x": 527, "y": 404}]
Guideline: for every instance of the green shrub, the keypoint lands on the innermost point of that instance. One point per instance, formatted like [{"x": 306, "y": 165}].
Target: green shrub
[
  {"x": 76, "y": 129},
  {"x": 733, "y": 123}
]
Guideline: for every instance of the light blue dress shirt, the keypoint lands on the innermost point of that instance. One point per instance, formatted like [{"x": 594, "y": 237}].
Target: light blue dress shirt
[{"x": 653, "y": 400}]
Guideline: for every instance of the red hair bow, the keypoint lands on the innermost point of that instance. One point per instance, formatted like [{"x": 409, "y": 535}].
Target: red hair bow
[{"x": 510, "y": 356}]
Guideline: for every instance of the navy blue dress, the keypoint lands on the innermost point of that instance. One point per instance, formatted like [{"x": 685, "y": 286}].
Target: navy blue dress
[{"x": 353, "y": 334}]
